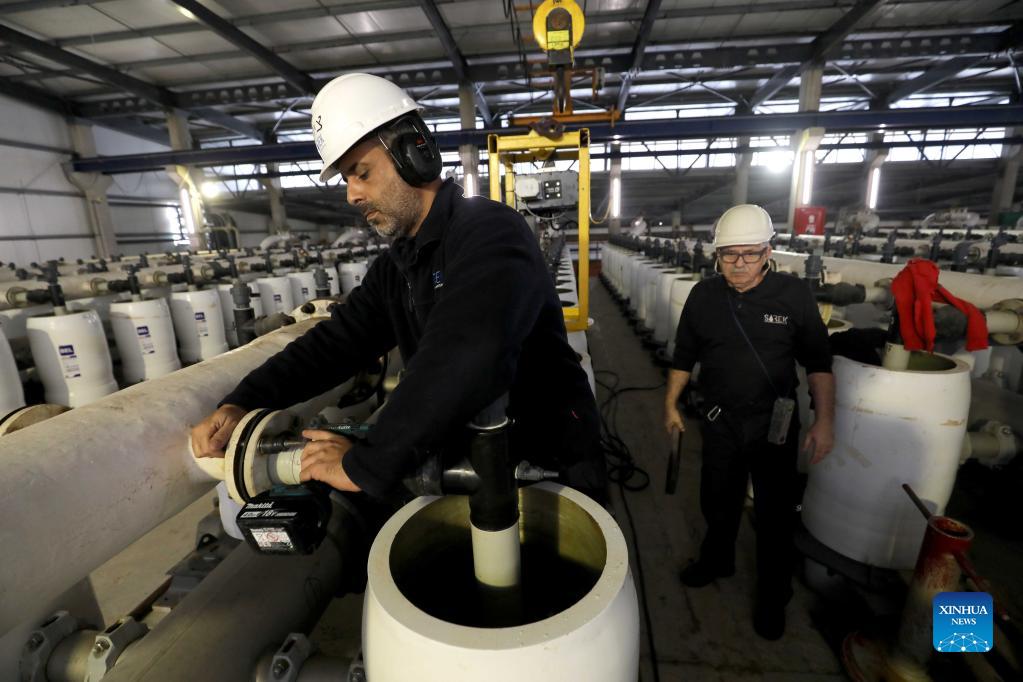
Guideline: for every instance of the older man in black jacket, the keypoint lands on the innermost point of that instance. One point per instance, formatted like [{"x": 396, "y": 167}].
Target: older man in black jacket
[{"x": 463, "y": 293}]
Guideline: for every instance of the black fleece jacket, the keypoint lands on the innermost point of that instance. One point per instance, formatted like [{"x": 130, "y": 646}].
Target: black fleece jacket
[{"x": 473, "y": 311}]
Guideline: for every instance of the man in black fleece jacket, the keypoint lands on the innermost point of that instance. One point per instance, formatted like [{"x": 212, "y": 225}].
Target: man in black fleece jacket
[{"x": 465, "y": 296}]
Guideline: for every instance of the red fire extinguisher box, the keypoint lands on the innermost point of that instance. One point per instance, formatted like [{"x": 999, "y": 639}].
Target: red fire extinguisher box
[{"x": 809, "y": 220}]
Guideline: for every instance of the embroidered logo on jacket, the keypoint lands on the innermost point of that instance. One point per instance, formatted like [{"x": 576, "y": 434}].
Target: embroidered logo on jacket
[
  {"x": 438, "y": 279},
  {"x": 776, "y": 319}
]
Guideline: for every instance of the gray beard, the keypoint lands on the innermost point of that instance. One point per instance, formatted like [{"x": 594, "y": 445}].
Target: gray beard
[{"x": 398, "y": 216}]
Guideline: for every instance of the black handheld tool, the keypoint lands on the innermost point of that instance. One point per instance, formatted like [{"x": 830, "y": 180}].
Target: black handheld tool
[
  {"x": 674, "y": 458},
  {"x": 287, "y": 519}
]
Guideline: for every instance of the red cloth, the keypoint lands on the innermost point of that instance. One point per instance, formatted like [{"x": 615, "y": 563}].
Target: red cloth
[{"x": 914, "y": 289}]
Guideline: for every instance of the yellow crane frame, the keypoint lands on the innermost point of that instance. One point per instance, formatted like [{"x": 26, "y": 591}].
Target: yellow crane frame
[{"x": 507, "y": 150}]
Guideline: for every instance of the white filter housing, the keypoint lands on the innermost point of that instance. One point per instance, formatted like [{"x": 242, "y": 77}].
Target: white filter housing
[
  {"x": 663, "y": 323},
  {"x": 11, "y": 394},
  {"x": 648, "y": 296},
  {"x": 198, "y": 324},
  {"x": 275, "y": 295},
  {"x": 593, "y": 635},
  {"x": 144, "y": 334},
  {"x": 891, "y": 427},
  {"x": 303, "y": 287},
  {"x": 227, "y": 309},
  {"x": 351, "y": 275},
  {"x": 680, "y": 290},
  {"x": 71, "y": 355}
]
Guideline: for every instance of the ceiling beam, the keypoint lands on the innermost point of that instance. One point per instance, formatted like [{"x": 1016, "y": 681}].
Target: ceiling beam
[
  {"x": 131, "y": 126},
  {"x": 32, "y": 5},
  {"x": 35, "y": 97},
  {"x": 147, "y": 91},
  {"x": 638, "y": 48},
  {"x": 45, "y": 100},
  {"x": 661, "y": 61},
  {"x": 818, "y": 50},
  {"x": 271, "y": 18},
  {"x": 162, "y": 97},
  {"x": 429, "y": 8},
  {"x": 935, "y": 75},
  {"x": 264, "y": 19},
  {"x": 229, "y": 122},
  {"x": 1009, "y": 38},
  {"x": 302, "y": 83},
  {"x": 660, "y": 129}
]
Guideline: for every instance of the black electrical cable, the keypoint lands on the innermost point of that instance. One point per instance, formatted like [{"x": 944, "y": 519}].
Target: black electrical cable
[{"x": 621, "y": 470}]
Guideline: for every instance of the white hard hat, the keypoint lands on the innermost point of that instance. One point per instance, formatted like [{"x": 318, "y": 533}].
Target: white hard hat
[
  {"x": 743, "y": 224},
  {"x": 350, "y": 107}
]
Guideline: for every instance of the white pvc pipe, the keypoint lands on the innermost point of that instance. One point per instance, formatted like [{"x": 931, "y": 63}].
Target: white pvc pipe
[
  {"x": 980, "y": 290},
  {"x": 274, "y": 239},
  {"x": 595, "y": 639},
  {"x": 497, "y": 556},
  {"x": 108, "y": 473}
]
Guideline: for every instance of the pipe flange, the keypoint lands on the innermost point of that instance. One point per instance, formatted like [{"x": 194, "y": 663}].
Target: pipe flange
[
  {"x": 317, "y": 308},
  {"x": 98, "y": 285},
  {"x": 1010, "y": 305},
  {"x": 27, "y": 416},
  {"x": 1007, "y": 443},
  {"x": 255, "y": 465},
  {"x": 245, "y": 468},
  {"x": 234, "y": 456},
  {"x": 40, "y": 645},
  {"x": 15, "y": 294},
  {"x": 109, "y": 646}
]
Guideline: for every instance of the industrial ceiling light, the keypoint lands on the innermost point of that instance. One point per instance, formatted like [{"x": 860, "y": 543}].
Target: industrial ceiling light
[
  {"x": 186, "y": 210},
  {"x": 616, "y": 197},
  {"x": 777, "y": 162},
  {"x": 808, "y": 163},
  {"x": 211, "y": 189},
  {"x": 873, "y": 184}
]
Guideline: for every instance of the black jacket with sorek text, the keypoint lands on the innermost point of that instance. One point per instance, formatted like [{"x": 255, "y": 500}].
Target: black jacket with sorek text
[
  {"x": 779, "y": 317},
  {"x": 473, "y": 311}
]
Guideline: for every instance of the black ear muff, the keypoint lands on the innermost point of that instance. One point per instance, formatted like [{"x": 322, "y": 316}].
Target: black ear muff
[
  {"x": 421, "y": 162},
  {"x": 414, "y": 152}
]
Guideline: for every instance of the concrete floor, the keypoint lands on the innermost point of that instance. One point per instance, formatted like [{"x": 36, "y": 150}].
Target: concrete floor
[{"x": 700, "y": 635}]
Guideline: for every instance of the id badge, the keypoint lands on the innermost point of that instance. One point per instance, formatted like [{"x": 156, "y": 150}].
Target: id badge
[{"x": 781, "y": 418}]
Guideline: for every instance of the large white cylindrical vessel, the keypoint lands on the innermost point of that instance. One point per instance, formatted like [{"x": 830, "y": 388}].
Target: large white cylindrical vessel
[
  {"x": 663, "y": 324},
  {"x": 891, "y": 427},
  {"x": 198, "y": 324},
  {"x": 71, "y": 355},
  {"x": 576, "y": 617},
  {"x": 303, "y": 286},
  {"x": 351, "y": 275},
  {"x": 275, "y": 295},
  {"x": 11, "y": 394},
  {"x": 648, "y": 300},
  {"x": 638, "y": 265},
  {"x": 680, "y": 291},
  {"x": 145, "y": 340}
]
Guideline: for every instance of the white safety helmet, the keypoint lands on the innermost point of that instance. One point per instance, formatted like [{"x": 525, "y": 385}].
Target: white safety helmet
[
  {"x": 350, "y": 107},
  {"x": 743, "y": 224}
]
